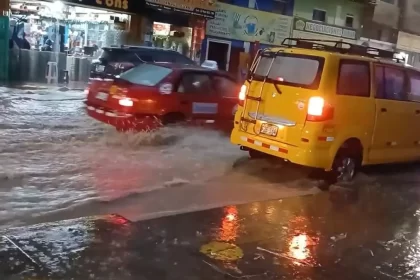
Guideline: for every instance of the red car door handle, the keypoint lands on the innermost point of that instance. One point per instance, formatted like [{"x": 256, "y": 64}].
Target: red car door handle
[{"x": 184, "y": 102}]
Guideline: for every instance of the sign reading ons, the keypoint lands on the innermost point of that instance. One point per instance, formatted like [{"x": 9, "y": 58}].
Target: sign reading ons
[
  {"x": 113, "y": 4},
  {"x": 203, "y": 8},
  {"x": 125, "y": 6}
]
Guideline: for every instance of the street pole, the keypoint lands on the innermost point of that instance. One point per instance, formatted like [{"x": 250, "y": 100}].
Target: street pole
[
  {"x": 4, "y": 7},
  {"x": 4, "y": 40}
]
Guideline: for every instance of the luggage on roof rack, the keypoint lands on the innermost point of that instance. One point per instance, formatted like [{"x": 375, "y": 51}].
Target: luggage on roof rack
[{"x": 340, "y": 47}]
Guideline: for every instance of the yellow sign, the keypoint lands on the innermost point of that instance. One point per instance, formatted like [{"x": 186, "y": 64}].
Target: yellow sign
[
  {"x": 113, "y": 4},
  {"x": 205, "y": 8},
  {"x": 249, "y": 25}
]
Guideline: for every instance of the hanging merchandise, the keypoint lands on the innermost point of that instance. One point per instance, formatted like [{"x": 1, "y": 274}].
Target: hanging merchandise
[{"x": 17, "y": 36}]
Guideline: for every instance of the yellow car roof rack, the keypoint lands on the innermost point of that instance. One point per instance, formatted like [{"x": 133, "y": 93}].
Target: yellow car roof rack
[{"x": 340, "y": 47}]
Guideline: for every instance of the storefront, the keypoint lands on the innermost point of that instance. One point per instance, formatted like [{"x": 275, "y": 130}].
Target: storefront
[
  {"x": 179, "y": 24},
  {"x": 63, "y": 27},
  {"x": 229, "y": 34},
  {"x": 307, "y": 29},
  {"x": 48, "y": 38},
  {"x": 73, "y": 31}
]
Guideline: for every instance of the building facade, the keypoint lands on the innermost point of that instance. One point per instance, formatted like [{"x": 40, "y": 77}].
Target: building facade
[
  {"x": 408, "y": 40},
  {"x": 327, "y": 19},
  {"x": 238, "y": 24},
  {"x": 393, "y": 25},
  {"x": 78, "y": 27}
]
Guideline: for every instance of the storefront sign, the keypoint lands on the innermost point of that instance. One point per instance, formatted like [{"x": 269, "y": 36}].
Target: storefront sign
[
  {"x": 249, "y": 25},
  {"x": 162, "y": 29},
  {"x": 204, "y": 8},
  {"x": 322, "y": 28},
  {"x": 125, "y": 6},
  {"x": 113, "y": 4}
]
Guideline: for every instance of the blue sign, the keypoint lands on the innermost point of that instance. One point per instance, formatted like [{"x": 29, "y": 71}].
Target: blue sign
[{"x": 205, "y": 108}]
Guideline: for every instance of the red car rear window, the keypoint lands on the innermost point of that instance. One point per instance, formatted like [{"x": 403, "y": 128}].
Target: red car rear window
[{"x": 146, "y": 74}]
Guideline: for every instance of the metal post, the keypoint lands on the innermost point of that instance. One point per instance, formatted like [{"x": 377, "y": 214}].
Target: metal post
[{"x": 4, "y": 48}]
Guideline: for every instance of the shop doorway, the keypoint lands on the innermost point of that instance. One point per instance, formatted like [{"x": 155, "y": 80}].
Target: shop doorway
[{"x": 219, "y": 51}]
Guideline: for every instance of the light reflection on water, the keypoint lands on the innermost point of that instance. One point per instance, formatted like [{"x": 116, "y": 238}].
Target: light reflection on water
[
  {"x": 298, "y": 247},
  {"x": 230, "y": 224}
]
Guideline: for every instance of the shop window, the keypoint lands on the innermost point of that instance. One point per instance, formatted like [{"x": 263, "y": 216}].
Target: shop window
[
  {"x": 319, "y": 15},
  {"x": 349, "y": 20},
  {"x": 225, "y": 87},
  {"x": 354, "y": 78},
  {"x": 391, "y": 84},
  {"x": 195, "y": 83},
  {"x": 414, "y": 94}
]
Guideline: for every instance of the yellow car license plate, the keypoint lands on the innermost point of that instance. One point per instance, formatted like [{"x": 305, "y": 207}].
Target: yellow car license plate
[{"x": 269, "y": 129}]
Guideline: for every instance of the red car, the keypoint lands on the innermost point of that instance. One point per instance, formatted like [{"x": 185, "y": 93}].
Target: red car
[{"x": 151, "y": 95}]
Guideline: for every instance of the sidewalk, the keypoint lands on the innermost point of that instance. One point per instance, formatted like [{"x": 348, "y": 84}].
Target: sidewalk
[
  {"x": 296, "y": 238},
  {"x": 37, "y": 86}
]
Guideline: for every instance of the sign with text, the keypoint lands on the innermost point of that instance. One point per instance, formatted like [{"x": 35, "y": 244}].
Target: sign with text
[
  {"x": 249, "y": 25},
  {"x": 124, "y": 6},
  {"x": 203, "y": 8},
  {"x": 325, "y": 29},
  {"x": 162, "y": 29}
]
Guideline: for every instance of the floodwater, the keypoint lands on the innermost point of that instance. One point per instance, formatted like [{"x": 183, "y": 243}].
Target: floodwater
[{"x": 57, "y": 163}]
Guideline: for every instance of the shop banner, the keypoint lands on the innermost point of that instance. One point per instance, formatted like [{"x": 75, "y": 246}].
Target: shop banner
[
  {"x": 249, "y": 25},
  {"x": 301, "y": 24},
  {"x": 203, "y": 8}
]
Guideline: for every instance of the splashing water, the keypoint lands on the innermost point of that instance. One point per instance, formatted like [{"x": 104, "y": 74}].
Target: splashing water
[{"x": 55, "y": 158}]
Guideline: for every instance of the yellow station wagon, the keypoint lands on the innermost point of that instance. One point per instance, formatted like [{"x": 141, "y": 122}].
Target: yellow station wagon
[{"x": 330, "y": 105}]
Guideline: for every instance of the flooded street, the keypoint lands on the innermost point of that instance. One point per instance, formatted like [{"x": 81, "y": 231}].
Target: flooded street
[{"x": 58, "y": 163}]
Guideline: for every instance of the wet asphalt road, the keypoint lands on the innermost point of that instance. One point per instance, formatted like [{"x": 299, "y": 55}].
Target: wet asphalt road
[{"x": 322, "y": 236}]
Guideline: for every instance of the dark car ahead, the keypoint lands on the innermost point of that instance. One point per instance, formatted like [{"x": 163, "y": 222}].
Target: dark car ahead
[
  {"x": 116, "y": 60},
  {"x": 155, "y": 94}
]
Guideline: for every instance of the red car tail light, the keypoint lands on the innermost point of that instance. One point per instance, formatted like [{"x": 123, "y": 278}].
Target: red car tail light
[{"x": 126, "y": 102}]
